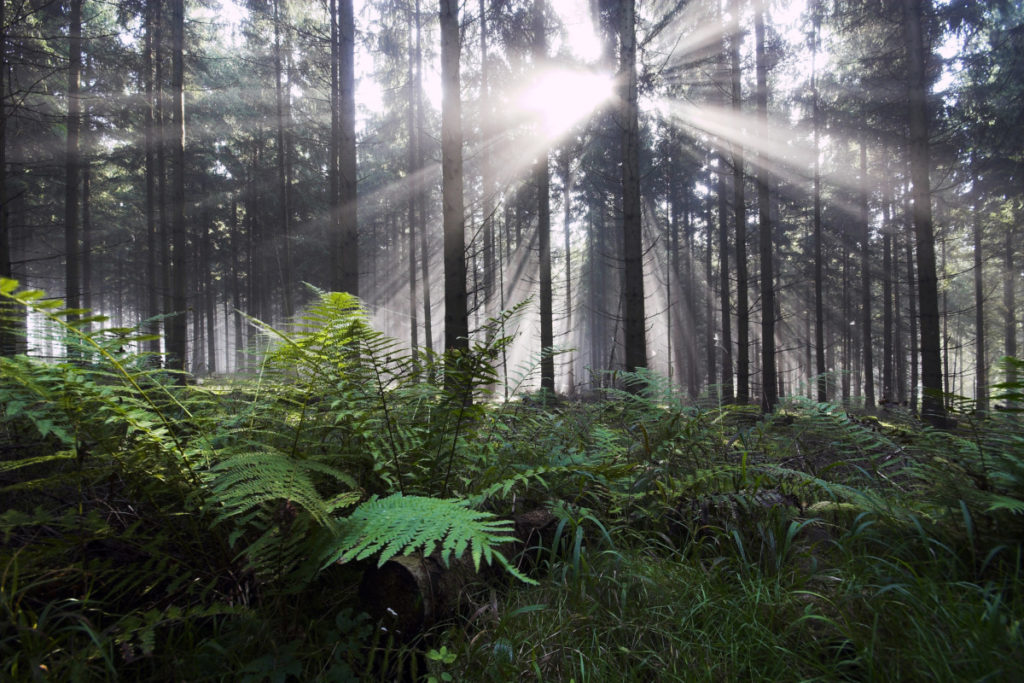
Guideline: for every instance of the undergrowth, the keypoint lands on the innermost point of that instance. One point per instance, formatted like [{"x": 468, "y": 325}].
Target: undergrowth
[{"x": 158, "y": 529}]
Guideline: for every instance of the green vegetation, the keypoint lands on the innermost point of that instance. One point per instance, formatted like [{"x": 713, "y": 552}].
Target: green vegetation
[{"x": 155, "y": 530}]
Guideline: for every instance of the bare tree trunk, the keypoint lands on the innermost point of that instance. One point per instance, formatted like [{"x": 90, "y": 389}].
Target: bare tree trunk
[
  {"x": 567, "y": 182},
  {"x": 347, "y": 265},
  {"x": 8, "y": 314},
  {"x": 149, "y": 121},
  {"x": 769, "y": 379},
  {"x": 933, "y": 409},
  {"x": 740, "y": 209},
  {"x": 865, "y": 283},
  {"x": 633, "y": 253},
  {"x": 1010, "y": 303},
  {"x": 819, "y": 312},
  {"x": 177, "y": 334},
  {"x": 456, "y": 320},
  {"x": 72, "y": 165},
  {"x": 980, "y": 353},
  {"x": 421, "y": 192},
  {"x": 283, "y": 107},
  {"x": 413, "y": 182},
  {"x": 542, "y": 184}
]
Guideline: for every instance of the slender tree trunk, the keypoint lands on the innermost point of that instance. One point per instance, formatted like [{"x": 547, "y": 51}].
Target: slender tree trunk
[
  {"x": 347, "y": 265},
  {"x": 413, "y": 182},
  {"x": 283, "y": 108},
  {"x": 178, "y": 330},
  {"x": 933, "y": 409},
  {"x": 456, "y": 320},
  {"x": 488, "y": 185},
  {"x": 72, "y": 164},
  {"x": 567, "y": 184},
  {"x": 709, "y": 297},
  {"x": 819, "y": 307},
  {"x": 8, "y": 313},
  {"x": 865, "y": 283},
  {"x": 887, "y": 314},
  {"x": 980, "y": 353},
  {"x": 421, "y": 192},
  {"x": 542, "y": 184},
  {"x": 769, "y": 378},
  {"x": 723, "y": 274},
  {"x": 915, "y": 347},
  {"x": 740, "y": 209},
  {"x": 633, "y": 252},
  {"x": 1010, "y": 276},
  {"x": 148, "y": 111}
]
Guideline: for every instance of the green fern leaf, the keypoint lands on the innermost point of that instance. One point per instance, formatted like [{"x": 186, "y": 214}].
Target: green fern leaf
[{"x": 405, "y": 524}]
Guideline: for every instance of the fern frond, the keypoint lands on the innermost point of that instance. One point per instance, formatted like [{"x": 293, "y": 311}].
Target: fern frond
[
  {"x": 245, "y": 481},
  {"x": 406, "y": 524}
]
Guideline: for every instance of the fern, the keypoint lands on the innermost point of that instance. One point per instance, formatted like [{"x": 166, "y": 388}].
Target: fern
[
  {"x": 248, "y": 480},
  {"x": 406, "y": 524}
]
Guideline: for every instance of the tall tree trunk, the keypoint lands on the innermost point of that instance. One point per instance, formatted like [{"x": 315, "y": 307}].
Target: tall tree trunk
[
  {"x": 1010, "y": 303},
  {"x": 488, "y": 185},
  {"x": 542, "y": 184},
  {"x": 819, "y": 306},
  {"x": 72, "y": 164},
  {"x": 887, "y": 310},
  {"x": 149, "y": 121},
  {"x": 421, "y": 191},
  {"x": 740, "y": 209},
  {"x": 178, "y": 330},
  {"x": 347, "y": 264},
  {"x": 723, "y": 274},
  {"x": 283, "y": 108},
  {"x": 567, "y": 183},
  {"x": 413, "y": 182},
  {"x": 456, "y": 320},
  {"x": 8, "y": 313},
  {"x": 709, "y": 296},
  {"x": 932, "y": 407},
  {"x": 980, "y": 353},
  {"x": 915, "y": 346},
  {"x": 633, "y": 252},
  {"x": 769, "y": 379},
  {"x": 865, "y": 283}
]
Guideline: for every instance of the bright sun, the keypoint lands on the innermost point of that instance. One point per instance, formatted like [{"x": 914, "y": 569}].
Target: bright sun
[{"x": 559, "y": 98}]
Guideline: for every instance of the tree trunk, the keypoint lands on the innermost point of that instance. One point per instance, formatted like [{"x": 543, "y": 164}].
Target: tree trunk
[
  {"x": 740, "y": 209},
  {"x": 347, "y": 264},
  {"x": 633, "y": 253},
  {"x": 932, "y": 407},
  {"x": 178, "y": 329},
  {"x": 542, "y": 184},
  {"x": 865, "y": 283},
  {"x": 283, "y": 108},
  {"x": 1010, "y": 303},
  {"x": 8, "y": 313},
  {"x": 819, "y": 306},
  {"x": 412, "y": 181},
  {"x": 72, "y": 164},
  {"x": 149, "y": 121},
  {"x": 421, "y": 192},
  {"x": 980, "y": 354},
  {"x": 769, "y": 379},
  {"x": 456, "y": 320}
]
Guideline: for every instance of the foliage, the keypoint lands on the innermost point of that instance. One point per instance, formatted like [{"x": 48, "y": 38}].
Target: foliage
[{"x": 156, "y": 529}]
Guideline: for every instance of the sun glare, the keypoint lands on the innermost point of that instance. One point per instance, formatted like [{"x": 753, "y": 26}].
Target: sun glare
[{"x": 559, "y": 98}]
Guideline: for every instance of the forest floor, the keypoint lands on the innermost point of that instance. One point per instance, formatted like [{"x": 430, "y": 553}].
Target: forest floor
[{"x": 246, "y": 530}]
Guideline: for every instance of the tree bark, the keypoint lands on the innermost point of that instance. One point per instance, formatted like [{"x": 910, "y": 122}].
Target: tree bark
[
  {"x": 347, "y": 264},
  {"x": 72, "y": 163},
  {"x": 740, "y": 209},
  {"x": 865, "y": 283},
  {"x": 283, "y": 108},
  {"x": 177, "y": 334},
  {"x": 542, "y": 185},
  {"x": 633, "y": 276},
  {"x": 980, "y": 354},
  {"x": 769, "y": 378},
  {"x": 456, "y": 319},
  {"x": 932, "y": 407},
  {"x": 819, "y": 306}
]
